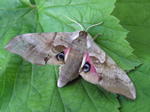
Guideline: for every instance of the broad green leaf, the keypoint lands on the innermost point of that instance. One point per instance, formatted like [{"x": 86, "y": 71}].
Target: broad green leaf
[
  {"x": 88, "y": 13},
  {"x": 25, "y": 87},
  {"x": 135, "y": 17}
]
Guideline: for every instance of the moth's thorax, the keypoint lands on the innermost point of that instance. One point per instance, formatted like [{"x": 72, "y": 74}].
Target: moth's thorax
[{"x": 80, "y": 43}]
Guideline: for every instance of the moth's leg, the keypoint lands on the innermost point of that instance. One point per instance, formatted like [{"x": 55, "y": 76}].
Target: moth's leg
[{"x": 97, "y": 36}]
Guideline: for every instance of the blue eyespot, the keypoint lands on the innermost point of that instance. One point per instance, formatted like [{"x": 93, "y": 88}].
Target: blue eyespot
[
  {"x": 60, "y": 56},
  {"x": 86, "y": 67}
]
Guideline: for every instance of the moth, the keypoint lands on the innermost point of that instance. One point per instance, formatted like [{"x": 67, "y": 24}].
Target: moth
[{"x": 78, "y": 54}]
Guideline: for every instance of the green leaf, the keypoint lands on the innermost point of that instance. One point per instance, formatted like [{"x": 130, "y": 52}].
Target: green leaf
[
  {"x": 135, "y": 17},
  {"x": 26, "y": 87},
  {"x": 88, "y": 13}
]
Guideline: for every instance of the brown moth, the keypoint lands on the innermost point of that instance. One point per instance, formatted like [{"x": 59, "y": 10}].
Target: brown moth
[{"x": 77, "y": 53}]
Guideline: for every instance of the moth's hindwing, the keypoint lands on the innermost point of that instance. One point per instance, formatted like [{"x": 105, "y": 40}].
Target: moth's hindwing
[{"x": 102, "y": 70}]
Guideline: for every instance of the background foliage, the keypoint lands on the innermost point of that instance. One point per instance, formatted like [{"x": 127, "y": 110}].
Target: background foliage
[{"x": 25, "y": 87}]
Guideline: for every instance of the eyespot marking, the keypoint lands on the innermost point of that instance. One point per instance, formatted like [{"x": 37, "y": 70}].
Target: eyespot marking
[
  {"x": 60, "y": 56},
  {"x": 86, "y": 67}
]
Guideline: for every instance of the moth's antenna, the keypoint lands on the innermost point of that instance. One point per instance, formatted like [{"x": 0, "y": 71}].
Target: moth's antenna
[
  {"x": 93, "y": 25},
  {"x": 76, "y": 22}
]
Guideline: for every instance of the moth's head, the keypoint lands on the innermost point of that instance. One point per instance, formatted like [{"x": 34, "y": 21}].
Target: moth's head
[
  {"x": 83, "y": 34},
  {"x": 88, "y": 70},
  {"x": 60, "y": 58}
]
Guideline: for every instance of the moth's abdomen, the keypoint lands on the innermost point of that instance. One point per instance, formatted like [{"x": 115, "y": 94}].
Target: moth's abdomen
[{"x": 70, "y": 69}]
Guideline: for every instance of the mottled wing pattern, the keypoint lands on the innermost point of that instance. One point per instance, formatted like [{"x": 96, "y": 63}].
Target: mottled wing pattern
[
  {"x": 38, "y": 48},
  {"x": 113, "y": 78},
  {"x": 108, "y": 74}
]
